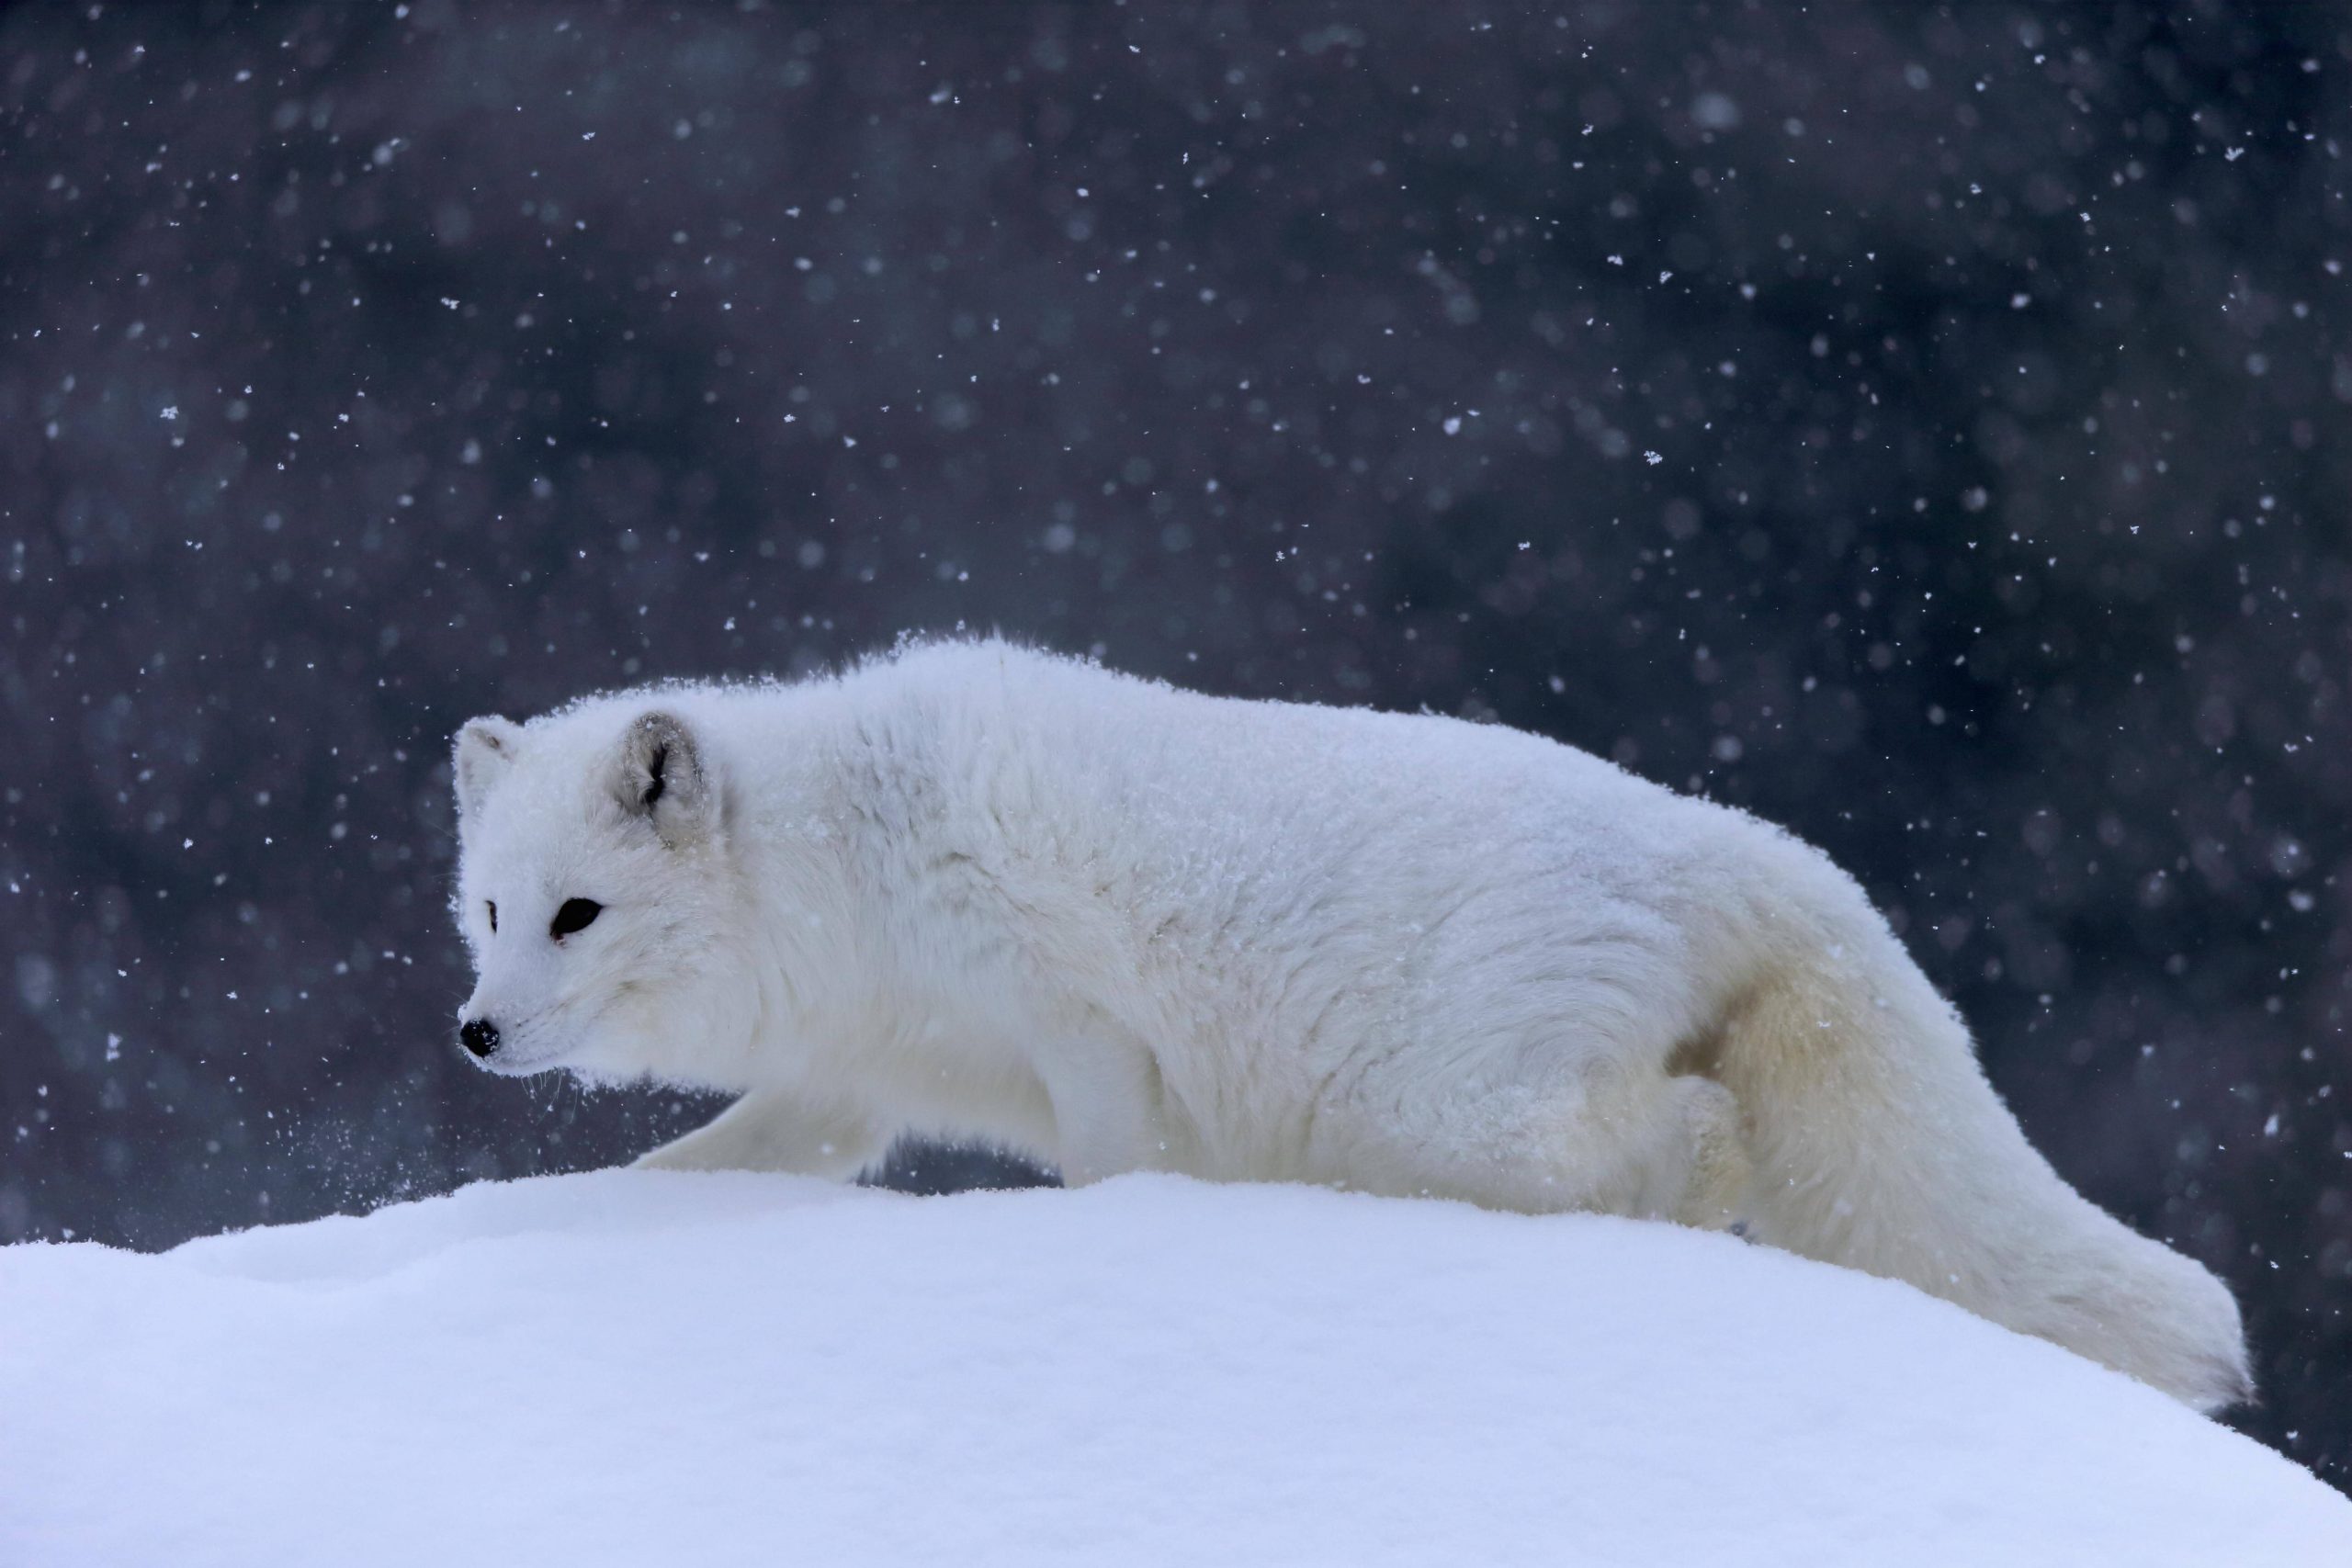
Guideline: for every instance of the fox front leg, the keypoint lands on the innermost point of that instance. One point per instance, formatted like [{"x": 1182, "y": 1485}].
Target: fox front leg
[
  {"x": 1108, "y": 1111},
  {"x": 768, "y": 1130}
]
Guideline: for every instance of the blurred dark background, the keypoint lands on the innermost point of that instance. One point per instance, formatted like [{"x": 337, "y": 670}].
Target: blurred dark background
[{"x": 1925, "y": 427}]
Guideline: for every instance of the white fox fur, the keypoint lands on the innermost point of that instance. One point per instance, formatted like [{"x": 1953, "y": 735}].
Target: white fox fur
[{"x": 982, "y": 891}]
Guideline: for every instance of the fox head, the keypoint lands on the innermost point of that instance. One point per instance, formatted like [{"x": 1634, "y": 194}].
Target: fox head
[{"x": 596, "y": 894}]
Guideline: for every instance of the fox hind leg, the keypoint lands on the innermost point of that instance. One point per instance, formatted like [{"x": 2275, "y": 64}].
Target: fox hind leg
[
  {"x": 1716, "y": 1174},
  {"x": 1533, "y": 1133}
]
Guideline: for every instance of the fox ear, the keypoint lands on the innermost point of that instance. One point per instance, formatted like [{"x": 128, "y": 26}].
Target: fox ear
[
  {"x": 661, "y": 779},
  {"x": 485, "y": 750}
]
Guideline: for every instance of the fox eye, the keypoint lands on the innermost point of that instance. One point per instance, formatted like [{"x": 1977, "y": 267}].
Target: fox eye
[
  {"x": 575, "y": 914},
  {"x": 494, "y": 915}
]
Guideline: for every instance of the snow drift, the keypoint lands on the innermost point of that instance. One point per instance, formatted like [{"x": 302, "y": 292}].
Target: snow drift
[{"x": 633, "y": 1368}]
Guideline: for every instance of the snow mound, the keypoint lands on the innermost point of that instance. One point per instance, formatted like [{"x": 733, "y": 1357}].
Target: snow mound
[{"x": 634, "y": 1368}]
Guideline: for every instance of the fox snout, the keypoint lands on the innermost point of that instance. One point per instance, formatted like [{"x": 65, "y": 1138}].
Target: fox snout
[{"x": 480, "y": 1036}]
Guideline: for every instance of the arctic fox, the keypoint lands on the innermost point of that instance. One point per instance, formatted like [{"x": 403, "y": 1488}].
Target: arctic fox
[{"x": 977, "y": 890}]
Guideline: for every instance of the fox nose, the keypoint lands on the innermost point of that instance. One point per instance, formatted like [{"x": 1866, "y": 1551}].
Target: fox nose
[{"x": 480, "y": 1036}]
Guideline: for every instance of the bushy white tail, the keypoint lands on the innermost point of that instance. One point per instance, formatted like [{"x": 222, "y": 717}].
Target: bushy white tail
[{"x": 1878, "y": 1143}]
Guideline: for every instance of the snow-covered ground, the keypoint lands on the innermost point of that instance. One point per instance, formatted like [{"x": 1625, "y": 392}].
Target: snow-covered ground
[{"x": 632, "y": 1368}]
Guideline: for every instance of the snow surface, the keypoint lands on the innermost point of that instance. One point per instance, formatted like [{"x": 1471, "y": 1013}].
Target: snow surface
[{"x": 633, "y": 1368}]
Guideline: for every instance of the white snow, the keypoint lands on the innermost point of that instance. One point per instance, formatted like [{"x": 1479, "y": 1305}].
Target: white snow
[{"x": 633, "y": 1368}]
